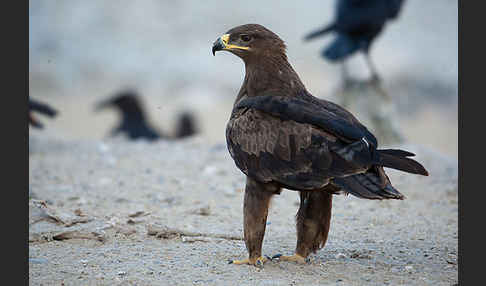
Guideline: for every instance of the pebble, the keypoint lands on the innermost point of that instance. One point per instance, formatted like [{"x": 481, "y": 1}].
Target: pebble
[
  {"x": 409, "y": 268},
  {"x": 340, "y": 255},
  {"x": 103, "y": 148},
  {"x": 229, "y": 193},
  {"x": 210, "y": 170},
  {"x": 37, "y": 260},
  {"x": 104, "y": 181}
]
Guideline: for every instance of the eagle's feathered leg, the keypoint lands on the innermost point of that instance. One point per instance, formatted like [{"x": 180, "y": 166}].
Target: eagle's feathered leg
[
  {"x": 313, "y": 221},
  {"x": 255, "y": 211}
]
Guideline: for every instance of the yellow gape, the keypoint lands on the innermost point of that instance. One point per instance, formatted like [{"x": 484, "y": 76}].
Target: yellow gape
[{"x": 225, "y": 40}]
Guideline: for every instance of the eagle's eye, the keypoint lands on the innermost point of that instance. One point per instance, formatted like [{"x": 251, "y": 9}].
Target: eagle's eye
[{"x": 245, "y": 37}]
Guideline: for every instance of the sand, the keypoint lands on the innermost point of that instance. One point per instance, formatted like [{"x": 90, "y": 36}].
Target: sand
[{"x": 96, "y": 207}]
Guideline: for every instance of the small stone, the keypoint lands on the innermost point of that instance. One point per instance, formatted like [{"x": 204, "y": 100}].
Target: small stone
[
  {"x": 210, "y": 170},
  {"x": 340, "y": 255},
  {"x": 78, "y": 212},
  {"x": 137, "y": 214},
  {"x": 409, "y": 268},
  {"x": 103, "y": 148},
  {"x": 451, "y": 261},
  {"x": 104, "y": 181},
  {"x": 229, "y": 192},
  {"x": 122, "y": 273},
  {"x": 204, "y": 211},
  {"x": 37, "y": 260}
]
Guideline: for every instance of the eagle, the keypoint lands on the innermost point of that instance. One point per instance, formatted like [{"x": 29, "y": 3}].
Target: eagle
[
  {"x": 280, "y": 136},
  {"x": 42, "y": 108},
  {"x": 357, "y": 23}
]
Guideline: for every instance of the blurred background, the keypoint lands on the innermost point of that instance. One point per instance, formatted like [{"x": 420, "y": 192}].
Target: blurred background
[{"x": 82, "y": 52}]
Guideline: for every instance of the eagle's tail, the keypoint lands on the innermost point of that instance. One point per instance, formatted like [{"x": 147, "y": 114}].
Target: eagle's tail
[
  {"x": 372, "y": 185},
  {"x": 397, "y": 159},
  {"x": 320, "y": 32}
]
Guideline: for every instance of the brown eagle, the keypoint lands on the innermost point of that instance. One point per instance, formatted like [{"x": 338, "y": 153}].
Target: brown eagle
[{"x": 281, "y": 136}]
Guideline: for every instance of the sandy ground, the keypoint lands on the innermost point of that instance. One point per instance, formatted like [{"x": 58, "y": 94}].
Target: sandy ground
[{"x": 96, "y": 208}]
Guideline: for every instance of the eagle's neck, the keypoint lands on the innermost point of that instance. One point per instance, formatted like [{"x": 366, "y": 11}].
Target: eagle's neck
[{"x": 270, "y": 74}]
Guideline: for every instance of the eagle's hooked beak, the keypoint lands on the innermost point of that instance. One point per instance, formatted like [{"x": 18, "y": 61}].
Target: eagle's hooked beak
[
  {"x": 219, "y": 45},
  {"x": 222, "y": 44}
]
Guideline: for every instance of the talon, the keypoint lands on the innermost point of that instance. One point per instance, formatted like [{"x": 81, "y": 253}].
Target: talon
[
  {"x": 239, "y": 262},
  {"x": 258, "y": 262},
  {"x": 294, "y": 258}
]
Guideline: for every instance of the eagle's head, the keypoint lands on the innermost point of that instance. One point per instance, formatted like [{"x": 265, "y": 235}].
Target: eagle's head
[{"x": 250, "y": 41}]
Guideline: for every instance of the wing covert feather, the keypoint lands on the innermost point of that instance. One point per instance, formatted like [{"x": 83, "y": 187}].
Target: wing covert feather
[
  {"x": 308, "y": 110},
  {"x": 294, "y": 154}
]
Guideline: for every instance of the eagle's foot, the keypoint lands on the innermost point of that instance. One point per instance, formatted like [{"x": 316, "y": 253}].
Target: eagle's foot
[
  {"x": 258, "y": 261},
  {"x": 294, "y": 258}
]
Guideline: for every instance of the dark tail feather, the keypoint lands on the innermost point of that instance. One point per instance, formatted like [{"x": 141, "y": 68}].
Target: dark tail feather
[
  {"x": 342, "y": 47},
  {"x": 368, "y": 186},
  {"x": 396, "y": 159},
  {"x": 42, "y": 108},
  {"x": 320, "y": 32},
  {"x": 396, "y": 152}
]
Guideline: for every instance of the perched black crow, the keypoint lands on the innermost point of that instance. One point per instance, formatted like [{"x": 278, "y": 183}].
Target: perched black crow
[
  {"x": 42, "y": 108},
  {"x": 280, "y": 136},
  {"x": 357, "y": 23},
  {"x": 134, "y": 122}
]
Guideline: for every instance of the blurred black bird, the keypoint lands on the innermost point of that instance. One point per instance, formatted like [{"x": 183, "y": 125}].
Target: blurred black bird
[
  {"x": 42, "y": 108},
  {"x": 134, "y": 122},
  {"x": 185, "y": 125},
  {"x": 357, "y": 23}
]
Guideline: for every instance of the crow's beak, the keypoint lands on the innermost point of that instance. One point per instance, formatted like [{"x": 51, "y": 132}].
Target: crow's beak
[{"x": 102, "y": 105}]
